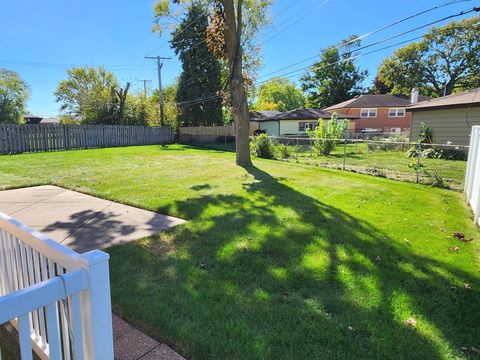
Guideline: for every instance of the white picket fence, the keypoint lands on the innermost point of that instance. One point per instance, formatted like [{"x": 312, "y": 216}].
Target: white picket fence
[
  {"x": 472, "y": 176},
  {"x": 58, "y": 300},
  {"x": 16, "y": 139}
]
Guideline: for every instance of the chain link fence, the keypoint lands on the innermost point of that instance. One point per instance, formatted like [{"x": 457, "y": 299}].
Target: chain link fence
[{"x": 440, "y": 165}]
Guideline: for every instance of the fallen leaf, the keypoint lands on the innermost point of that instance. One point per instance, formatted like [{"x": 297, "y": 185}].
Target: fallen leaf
[
  {"x": 412, "y": 322},
  {"x": 454, "y": 248},
  {"x": 408, "y": 242},
  {"x": 467, "y": 286}
]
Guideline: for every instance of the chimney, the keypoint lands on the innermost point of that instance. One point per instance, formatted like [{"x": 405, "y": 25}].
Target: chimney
[{"x": 414, "y": 96}]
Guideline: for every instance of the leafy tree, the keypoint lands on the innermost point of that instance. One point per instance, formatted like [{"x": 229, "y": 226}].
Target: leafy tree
[
  {"x": 93, "y": 95},
  {"x": 445, "y": 61},
  {"x": 201, "y": 71},
  {"x": 233, "y": 33},
  {"x": 379, "y": 87},
  {"x": 325, "y": 138},
  {"x": 336, "y": 77},
  {"x": 279, "y": 94},
  {"x": 14, "y": 93}
]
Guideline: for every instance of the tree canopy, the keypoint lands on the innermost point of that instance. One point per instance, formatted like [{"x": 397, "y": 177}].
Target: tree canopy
[
  {"x": 92, "y": 95},
  {"x": 336, "y": 77},
  {"x": 279, "y": 94},
  {"x": 201, "y": 71},
  {"x": 445, "y": 61},
  {"x": 14, "y": 93}
]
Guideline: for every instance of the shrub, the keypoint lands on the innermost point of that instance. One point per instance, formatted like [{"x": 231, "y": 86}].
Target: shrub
[
  {"x": 435, "y": 153},
  {"x": 262, "y": 146},
  {"x": 455, "y": 154},
  {"x": 426, "y": 134},
  {"x": 386, "y": 144},
  {"x": 326, "y": 138},
  {"x": 283, "y": 151}
]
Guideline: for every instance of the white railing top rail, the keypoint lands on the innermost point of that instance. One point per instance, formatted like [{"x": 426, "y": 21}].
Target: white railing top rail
[{"x": 54, "y": 251}]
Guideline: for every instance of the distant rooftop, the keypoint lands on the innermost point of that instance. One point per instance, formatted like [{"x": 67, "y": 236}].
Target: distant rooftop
[
  {"x": 296, "y": 114},
  {"x": 381, "y": 100},
  {"x": 468, "y": 98}
]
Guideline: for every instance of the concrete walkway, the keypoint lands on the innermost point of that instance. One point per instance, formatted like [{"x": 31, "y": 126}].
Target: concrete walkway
[
  {"x": 84, "y": 223},
  {"x": 80, "y": 221}
]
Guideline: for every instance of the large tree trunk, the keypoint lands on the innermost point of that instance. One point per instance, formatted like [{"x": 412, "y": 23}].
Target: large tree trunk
[{"x": 241, "y": 116}]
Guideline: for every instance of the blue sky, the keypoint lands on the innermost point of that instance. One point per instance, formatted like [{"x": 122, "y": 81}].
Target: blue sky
[{"x": 41, "y": 39}]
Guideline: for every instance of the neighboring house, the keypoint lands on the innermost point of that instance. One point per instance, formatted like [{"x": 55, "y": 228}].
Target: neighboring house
[
  {"x": 294, "y": 122},
  {"x": 33, "y": 119},
  {"x": 379, "y": 113},
  {"x": 451, "y": 117}
]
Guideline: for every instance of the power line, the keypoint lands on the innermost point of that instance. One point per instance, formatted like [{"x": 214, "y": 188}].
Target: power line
[
  {"x": 211, "y": 97},
  {"x": 295, "y": 22},
  {"x": 369, "y": 34},
  {"x": 377, "y": 42},
  {"x": 376, "y": 31},
  {"x": 204, "y": 12},
  {"x": 63, "y": 65}
]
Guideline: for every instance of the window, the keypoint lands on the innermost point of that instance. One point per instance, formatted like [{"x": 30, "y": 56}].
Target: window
[
  {"x": 304, "y": 125},
  {"x": 368, "y": 113},
  {"x": 396, "y": 112}
]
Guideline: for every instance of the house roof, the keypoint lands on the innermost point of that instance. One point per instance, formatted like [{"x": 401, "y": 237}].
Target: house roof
[
  {"x": 468, "y": 98},
  {"x": 304, "y": 114},
  {"x": 262, "y": 115},
  {"x": 381, "y": 100}
]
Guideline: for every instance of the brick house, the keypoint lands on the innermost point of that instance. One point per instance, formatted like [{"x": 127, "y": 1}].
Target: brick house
[{"x": 379, "y": 113}]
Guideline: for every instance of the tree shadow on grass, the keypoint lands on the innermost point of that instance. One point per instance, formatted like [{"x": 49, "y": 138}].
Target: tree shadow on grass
[{"x": 275, "y": 273}]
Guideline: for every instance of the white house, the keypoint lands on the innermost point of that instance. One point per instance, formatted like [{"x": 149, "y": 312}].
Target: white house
[{"x": 293, "y": 122}]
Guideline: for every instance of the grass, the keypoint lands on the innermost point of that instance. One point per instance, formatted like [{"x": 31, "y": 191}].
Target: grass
[{"x": 281, "y": 260}]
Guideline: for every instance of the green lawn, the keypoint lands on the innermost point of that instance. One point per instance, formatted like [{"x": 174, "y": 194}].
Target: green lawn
[{"x": 281, "y": 260}]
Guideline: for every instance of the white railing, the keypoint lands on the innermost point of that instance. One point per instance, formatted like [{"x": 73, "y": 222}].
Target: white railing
[
  {"x": 472, "y": 176},
  {"x": 58, "y": 300}
]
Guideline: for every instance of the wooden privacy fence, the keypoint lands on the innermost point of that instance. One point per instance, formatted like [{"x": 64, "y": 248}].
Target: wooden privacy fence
[
  {"x": 472, "y": 176},
  {"x": 16, "y": 139}
]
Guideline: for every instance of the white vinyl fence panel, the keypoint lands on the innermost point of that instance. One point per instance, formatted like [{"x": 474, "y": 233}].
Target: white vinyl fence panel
[
  {"x": 472, "y": 177},
  {"x": 16, "y": 139},
  {"x": 58, "y": 300}
]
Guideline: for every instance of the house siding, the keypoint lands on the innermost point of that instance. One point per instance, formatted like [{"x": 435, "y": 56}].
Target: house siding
[
  {"x": 447, "y": 124},
  {"x": 271, "y": 127},
  {"x": 381, "y": 121}
]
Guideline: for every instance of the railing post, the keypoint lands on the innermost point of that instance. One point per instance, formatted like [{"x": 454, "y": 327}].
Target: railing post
[{"x": 96, "y": 307}]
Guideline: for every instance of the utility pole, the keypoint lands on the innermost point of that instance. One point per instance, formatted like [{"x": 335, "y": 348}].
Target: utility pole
[
  {"x": 145, "y": 86},
  {"x": 159, "y": 59}
]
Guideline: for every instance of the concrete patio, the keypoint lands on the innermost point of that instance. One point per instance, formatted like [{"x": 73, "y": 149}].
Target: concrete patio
[{"x": 80, "y": 221}]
